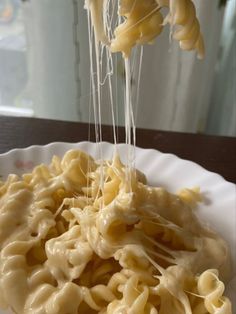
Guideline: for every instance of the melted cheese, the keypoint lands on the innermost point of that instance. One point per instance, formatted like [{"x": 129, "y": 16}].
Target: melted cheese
[{"x": 68, "y": 247}]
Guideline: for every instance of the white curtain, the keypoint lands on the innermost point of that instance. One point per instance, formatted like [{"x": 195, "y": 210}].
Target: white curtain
[
  {"x": 53, "y": 58},
  {"x": 176, "y": 85},
  {"x": 175, "y": 88},
  {"x": 222, "y": 111}
]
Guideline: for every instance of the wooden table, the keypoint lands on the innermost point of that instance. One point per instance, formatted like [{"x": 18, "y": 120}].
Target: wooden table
[{"x": 217, "y": 154}]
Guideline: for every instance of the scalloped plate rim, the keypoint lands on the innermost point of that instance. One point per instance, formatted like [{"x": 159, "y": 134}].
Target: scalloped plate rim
[
  {"x": 218, "y": 179},
  {"x": 49, "y": 145}
]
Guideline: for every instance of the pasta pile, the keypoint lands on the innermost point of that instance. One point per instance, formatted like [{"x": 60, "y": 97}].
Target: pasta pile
[
  {"x": 72, "y": 243},
  {"x": 144, "y": 21}
]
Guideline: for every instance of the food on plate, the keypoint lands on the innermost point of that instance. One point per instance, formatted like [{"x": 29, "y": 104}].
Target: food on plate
[
  {"x": 86, "y": 236},
  {"x": 82, "y": 236}
]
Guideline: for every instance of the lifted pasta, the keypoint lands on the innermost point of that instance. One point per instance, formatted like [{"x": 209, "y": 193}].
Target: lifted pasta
[{"x": 143, "y": 21}]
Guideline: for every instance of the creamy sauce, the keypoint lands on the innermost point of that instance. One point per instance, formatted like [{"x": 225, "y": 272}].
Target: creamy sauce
[{"x": 119, "y": 251}]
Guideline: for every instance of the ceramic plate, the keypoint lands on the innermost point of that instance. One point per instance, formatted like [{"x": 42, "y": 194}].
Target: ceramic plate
[{"x": 167, "y": 170}]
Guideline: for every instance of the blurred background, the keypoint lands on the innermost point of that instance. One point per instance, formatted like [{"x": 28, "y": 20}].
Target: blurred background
[{"x": 44, "y": 69}]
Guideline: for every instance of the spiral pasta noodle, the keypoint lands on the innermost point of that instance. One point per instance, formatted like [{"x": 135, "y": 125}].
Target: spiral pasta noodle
[
  {"x": 212, "y": 289},
  {"x": 183, "y": 15},
  {"x": 70, "y": 246}
]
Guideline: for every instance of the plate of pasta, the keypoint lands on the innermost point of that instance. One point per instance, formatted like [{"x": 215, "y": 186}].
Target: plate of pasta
[{"x": 85, "y": 234}]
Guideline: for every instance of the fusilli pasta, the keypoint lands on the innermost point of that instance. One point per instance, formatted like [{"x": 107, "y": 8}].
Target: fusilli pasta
[
  {"x": 69, "y": 245},
  {"x": 144, "y": 20}
]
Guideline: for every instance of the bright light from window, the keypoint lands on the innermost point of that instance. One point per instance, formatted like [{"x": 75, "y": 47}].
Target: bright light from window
[{"x": 13, "y": 63}]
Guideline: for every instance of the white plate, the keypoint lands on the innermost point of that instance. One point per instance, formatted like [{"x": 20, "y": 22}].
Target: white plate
[{"x": 167, "y": 170}]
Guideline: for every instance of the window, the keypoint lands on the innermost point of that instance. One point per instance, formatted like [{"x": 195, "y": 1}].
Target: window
[{"x": 13, "y": 60}]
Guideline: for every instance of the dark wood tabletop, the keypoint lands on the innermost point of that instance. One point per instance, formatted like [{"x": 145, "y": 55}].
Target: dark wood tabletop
[{"x": 217, "y": 154}]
